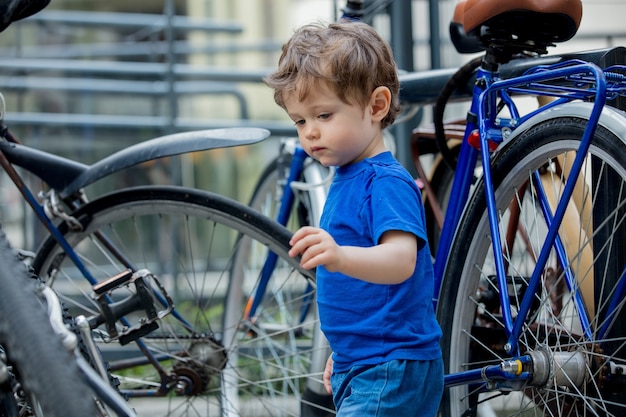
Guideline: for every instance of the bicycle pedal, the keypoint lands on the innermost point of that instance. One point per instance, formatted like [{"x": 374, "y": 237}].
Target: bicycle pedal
[
  {"x": 146, "y": 293},
  {"x": 137, "y": 332},
  {"x": 114, "y": 282}
]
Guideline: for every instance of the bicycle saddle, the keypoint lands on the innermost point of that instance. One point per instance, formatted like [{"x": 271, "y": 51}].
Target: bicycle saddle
[
  {"x": 519, "y": 24},
  {"x": 14, "y": 10}
]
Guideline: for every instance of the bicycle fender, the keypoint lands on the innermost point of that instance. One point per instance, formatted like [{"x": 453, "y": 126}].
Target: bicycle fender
[
  {"x": 55, "y": 170},
  {"x": 168, "y": 145},
  {"x": 611, "y": 118}
]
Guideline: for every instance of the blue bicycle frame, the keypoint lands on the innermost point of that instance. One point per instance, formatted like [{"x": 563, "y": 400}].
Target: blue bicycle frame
[
  {"x": 286, "y": 202},
  {"x": 489, "y": 126}
]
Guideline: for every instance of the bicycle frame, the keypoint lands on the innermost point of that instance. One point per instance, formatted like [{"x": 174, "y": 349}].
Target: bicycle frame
[
  {"x": 307, "y": 177},
  {"x": 489, "y": 126},
  {"x": 299, "y": 167}
]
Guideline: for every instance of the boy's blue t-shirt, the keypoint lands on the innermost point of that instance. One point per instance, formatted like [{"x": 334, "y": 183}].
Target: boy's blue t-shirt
[{"x": 367, "y": 323}]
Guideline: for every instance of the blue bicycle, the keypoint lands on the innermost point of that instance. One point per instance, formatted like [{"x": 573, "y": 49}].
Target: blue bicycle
[
  {"x": 530, "y": 263},
  {"x": 532, "y": 278}
]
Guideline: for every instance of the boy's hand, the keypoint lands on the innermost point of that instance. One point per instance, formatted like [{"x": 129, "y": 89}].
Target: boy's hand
[
  {"x": 391, "y": 261},
  {"x": 316, "y": 247},
  {"x": 328, "y": 371}
]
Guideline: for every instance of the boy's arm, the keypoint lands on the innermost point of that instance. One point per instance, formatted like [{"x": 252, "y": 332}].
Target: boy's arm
[{"x": 392, "y": 261}]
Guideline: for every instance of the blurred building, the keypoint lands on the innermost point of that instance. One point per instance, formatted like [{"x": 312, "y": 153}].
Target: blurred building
[{"x": 85, "y": 78}]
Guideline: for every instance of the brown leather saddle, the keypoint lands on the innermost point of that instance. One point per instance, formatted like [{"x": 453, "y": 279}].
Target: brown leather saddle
[{"x": 519, "y": 24}]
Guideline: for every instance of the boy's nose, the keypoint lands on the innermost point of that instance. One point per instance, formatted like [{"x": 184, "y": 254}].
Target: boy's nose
[{"x": 312, "y": 132}]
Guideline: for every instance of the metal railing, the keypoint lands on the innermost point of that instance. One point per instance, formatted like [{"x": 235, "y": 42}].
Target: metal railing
[{"x": 158, "y": 76}]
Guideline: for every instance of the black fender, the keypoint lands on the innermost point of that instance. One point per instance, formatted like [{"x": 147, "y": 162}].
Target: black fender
[{"x": 68, "y": 176}]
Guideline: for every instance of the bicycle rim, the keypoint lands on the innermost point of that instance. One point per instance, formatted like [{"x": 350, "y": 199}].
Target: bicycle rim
[
  {"x": 220, "y": 362},
  {"x": 593, "y": 236}
]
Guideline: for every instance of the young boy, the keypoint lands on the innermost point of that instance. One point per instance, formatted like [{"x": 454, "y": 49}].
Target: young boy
[{"x": 339, "y": 84}]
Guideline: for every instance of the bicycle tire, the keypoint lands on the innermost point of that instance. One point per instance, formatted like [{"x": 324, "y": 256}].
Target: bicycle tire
[
  {"x": 189, "y": 237},
  {"x": 306, "y": 209},
  {"x": 441, "y": 184},
  {"x": 468, "y": 307},
  {"x": 42, "y": 367}
]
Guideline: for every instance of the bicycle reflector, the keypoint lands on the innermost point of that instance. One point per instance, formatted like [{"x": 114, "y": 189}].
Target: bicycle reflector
[{"x": 474, "y": 141}]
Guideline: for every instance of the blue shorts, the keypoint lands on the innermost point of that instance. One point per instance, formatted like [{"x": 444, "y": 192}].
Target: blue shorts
[{"x": 395, "y": 388}]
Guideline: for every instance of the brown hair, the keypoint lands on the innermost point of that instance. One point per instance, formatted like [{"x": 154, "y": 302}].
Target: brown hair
[{"x": 350, "y": 56}]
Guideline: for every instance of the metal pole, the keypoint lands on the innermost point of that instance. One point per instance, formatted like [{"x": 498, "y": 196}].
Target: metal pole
[
  {"x": 435, "y": 38},
  {"x": 171, "y": 62},
  {"x": 402, "y": 44}
]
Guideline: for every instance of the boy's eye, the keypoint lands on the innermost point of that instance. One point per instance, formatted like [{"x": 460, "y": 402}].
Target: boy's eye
[
  {"x": 299, "y": 122},
  {"x": 324, "y": 116}
]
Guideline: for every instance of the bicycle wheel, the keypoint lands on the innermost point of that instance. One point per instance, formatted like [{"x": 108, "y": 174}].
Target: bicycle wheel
[
  {"x": 309, "y": 200},
  {"x": 441, "y": 183},
  {"x": 212, "y": 360},
  {"x": 309, "y": 196},
  {"x": 41, "y": 377},
  {"x": 572, "y": 373}
]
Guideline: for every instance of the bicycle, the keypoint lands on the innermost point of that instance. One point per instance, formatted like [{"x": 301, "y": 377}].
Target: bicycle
[
  {"x": 546, "y": 362},
  {"x": 198, "y": 351},
  {"x": 532, "y": 314},
  {"x": 291, "y": 190},
  {"x": 539, "y": 326},
  {"x": 155, "y": 275},
  {"x": 182, "y": 334}
]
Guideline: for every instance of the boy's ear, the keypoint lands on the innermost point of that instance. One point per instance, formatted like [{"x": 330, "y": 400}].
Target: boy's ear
[{"x": 380, "y": 101}]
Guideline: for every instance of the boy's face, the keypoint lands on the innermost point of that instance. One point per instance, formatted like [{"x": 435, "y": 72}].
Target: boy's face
[{"x": 332, "y": 131}]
